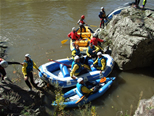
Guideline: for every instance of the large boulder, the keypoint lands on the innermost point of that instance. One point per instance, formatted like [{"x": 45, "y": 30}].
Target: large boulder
[
  {"x": 131, "y": 36},
  {"x": 145, "y": 108}
]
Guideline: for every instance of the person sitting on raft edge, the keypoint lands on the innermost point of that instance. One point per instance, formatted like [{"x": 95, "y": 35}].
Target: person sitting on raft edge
[
  {"x": 100, "y": 63},
  {"x": 78, "y": 68},
  {"x": 73, "y": 35}
]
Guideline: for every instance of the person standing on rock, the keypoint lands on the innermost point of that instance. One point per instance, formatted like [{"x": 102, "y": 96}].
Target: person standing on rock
[
  {"x": 137, "y": 3},
  {"x": 27, "y": 70},
  {"x": 102, "y": 16},
  {"x": 144, "y": 2},
  {"x": 4, "y": 64}
]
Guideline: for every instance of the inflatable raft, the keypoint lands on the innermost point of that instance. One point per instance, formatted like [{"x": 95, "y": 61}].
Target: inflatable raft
[
  {"x": 83, "y": 44},
  {"x": 72, "y": 96},
  {"x": 55, "y": 73}
]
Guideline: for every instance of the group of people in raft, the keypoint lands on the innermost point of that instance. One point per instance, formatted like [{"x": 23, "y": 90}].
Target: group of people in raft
[{"x": 79, "y": 64}]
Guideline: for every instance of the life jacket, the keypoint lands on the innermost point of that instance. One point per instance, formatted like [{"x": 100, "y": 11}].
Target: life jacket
[
  {"x": 82, "y": 21},
  {"x": 90, "y": 50},
  {"x": 99, "y": 61},
  {"x": 79, "y": 69},
  {"x": 29, "y": 67},
  {"x": 77, "y": 51},
  {"x": 102, "y": 14},
  {"x": 79, "y": 86}
]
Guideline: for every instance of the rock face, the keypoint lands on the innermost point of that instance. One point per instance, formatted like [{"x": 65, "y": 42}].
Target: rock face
[
  {"x": 132, "y": 38},
  {"x": 146, "y": 108}
]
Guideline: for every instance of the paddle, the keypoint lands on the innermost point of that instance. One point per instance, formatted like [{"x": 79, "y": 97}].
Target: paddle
[
  {"x": 64, "y": 41},
  {"x": 93, "y": 26},
  {"x": 42, "y": 73},
  {"x": 101, "y": 81},
  {"x": 59, "y": 63}
]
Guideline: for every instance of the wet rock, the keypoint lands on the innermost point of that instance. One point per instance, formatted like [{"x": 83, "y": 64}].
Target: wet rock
[
  {"x": 145, "y": 108},
  {"x": 132, "y": 38}
]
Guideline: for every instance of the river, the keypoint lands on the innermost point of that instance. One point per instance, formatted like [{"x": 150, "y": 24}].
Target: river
[{"x": 37, "y": 27}]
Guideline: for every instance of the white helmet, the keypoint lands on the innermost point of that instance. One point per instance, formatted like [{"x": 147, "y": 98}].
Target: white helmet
[
  {"x": 76, "y": 57},
  {"x": 99, "y": 53},
  {"x": 4, "y": 64},
  {"x": 95, "y": 34},
  {"x": 73, "y": 28},
  {"x": 27, "y": 55},
  {"x": 79, "y": 80},
  {"x": 102, "y": 8}
]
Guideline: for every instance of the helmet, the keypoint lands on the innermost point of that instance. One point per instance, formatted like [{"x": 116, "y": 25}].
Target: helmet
[
  {"x": 102, "y": 8},
  {"x": 99, "y": 53},
  {"x": 27, "y": 55},
  {"x": 82, "y": 16},
  {"x": 76, "y": 57},
  {"x": 4, "y": 64},
  {"x": 79, "y": 80},
  {"x": 73, "y": 28},
  {"x": 95, "y": 34}
]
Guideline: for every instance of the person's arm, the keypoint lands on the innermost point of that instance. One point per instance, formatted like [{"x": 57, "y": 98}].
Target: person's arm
[
  {"x": 73, "y": 53},
  {"x": 100, "y": 15},
  {"x": 88, "y": 52},
  {"x": 73, "y": 70},
  {"x": 103, "y": 64},
  {"x": 84, "y": 89},
  {"x": 100, "y": 40},
  {"x": 69, "y": 35},
  {"x": 34, "y": 66},
  {"x": 96, "y": 61},
  {"x": 24, "y": 71},
  {"x": 96, "y": 48},
  {"x": 78, "y": 22}
]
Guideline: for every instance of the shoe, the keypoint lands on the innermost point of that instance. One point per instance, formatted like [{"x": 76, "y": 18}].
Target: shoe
[{"x": 30, "y": 89}]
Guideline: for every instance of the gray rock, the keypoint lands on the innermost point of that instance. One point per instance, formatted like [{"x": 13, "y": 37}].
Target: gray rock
[
  {"x": 132, "y": 38},
  {"x": 145, "y": 108}
]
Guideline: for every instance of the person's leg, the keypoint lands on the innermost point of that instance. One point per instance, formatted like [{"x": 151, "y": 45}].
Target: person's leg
[
  {"x": 84, "y": 28},
  {"x": 27, "y": 82},
  {"x": 100, "y": 23},
  {"x": 31, "y": 79}
]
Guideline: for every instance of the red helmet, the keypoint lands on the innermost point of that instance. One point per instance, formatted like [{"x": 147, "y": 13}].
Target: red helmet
[{"x": 82, "y": 16}]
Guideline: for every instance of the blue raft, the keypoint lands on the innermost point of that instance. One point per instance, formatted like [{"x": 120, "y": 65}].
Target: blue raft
[
  {"x": 60, "y": 74},
  {"x": 72, "y": 96}
]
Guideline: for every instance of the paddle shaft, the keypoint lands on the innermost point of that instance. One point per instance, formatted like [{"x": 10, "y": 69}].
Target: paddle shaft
[
  {"x": 60, "y": 63},
  {"x": 84, "y": 95}
]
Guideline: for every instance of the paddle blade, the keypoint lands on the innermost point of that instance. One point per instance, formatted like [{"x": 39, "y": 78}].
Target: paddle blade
[
  {"x": 80, "y": 99},
  {"x": 93, "y": 25},
  {"x": 103, "y": 80},
  {"x": 64, "y": 41}
]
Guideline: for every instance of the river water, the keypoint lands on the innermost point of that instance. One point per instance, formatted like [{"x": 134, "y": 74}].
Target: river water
[{"x": 37, "y": 27}]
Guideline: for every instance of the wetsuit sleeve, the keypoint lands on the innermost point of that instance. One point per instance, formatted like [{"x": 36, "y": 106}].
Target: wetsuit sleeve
[
  {"x": 74, "y": 69},
  {"x": 78, "y": 21},
  {"x": 24, "y": 71},
  {"x": 96, "y": 48},
  {"x": 87, "y": 52},
  {"x": 73, "y": 53},
  {"x": 100, "y": 40},
  {"x": 103, "y": 64},
  {"x": 34, "y": 66},
  {"x": 13, "y": 62},
  {"x": 96, "y": 61},
  {"x": 69, "y": 35},
  {"x": 84, "y": 89}
]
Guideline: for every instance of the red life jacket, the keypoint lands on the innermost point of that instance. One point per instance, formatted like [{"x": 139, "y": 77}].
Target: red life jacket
[{"x": 81, "y": 21}]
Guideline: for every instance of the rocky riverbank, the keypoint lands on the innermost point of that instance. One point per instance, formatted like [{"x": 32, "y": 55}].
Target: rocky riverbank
[
  {"x": 130, "y": 36},
  {"x": 15, "y": 101}
]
